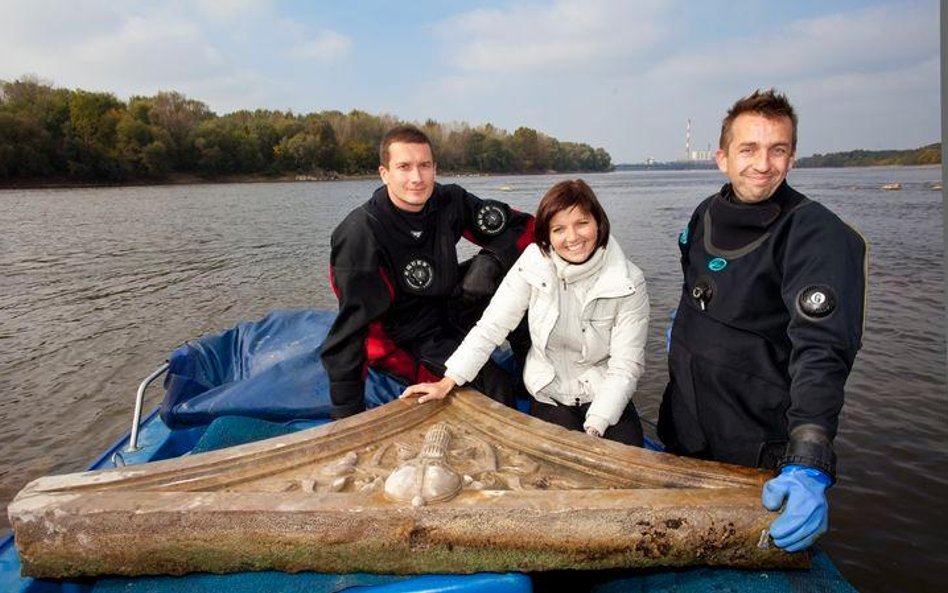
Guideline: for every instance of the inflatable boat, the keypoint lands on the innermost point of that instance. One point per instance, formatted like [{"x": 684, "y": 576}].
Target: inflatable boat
[{"x": 219, "y": 392}]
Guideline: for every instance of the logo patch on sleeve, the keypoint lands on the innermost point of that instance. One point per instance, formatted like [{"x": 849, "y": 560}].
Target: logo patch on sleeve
[
  {"x": 817, "y": 301},
  {"x": 491, "y": 218}
]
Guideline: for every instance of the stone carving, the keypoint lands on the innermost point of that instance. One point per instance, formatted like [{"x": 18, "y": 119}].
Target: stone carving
[
  {"x": 426, "y": 478},
  {"x": 461, "y": 485},
  {"x": 454, "y": 459}
]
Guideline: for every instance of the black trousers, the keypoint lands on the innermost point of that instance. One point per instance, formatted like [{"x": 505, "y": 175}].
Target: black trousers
[
  {"x": 492, "y": 380},
  {"x": 627, "y": 430}
]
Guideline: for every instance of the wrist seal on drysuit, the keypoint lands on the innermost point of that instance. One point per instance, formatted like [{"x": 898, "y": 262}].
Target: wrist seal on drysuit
[
  {"x": 811, "y": 446},
  {"x": 348, "y": 398},
  {"x": 484, "y": 274}
]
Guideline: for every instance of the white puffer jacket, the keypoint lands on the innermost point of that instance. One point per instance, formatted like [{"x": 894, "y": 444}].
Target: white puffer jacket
[{"x": 614, "y": 329}]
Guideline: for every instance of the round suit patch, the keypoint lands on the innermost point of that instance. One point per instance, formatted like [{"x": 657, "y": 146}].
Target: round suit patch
[
  {"x": 683, "y": 236},
  {"x": 817, "y": 301},
  {"x": 717, "y": 264},
  {"x": 418, "y": 274},
  {"x": 491, "y": 218}
]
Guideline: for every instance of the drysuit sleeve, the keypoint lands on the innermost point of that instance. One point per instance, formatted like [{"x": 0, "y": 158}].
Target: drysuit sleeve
[
  {"x": 496, "y": 227},
  {"x": 824, "y": 290},
  {"x": 364, "y": 294}
]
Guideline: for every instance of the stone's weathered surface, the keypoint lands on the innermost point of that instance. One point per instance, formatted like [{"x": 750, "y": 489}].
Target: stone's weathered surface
[
  {"x": 457, "y": 486},
  {"x": 426, "y": 478}
]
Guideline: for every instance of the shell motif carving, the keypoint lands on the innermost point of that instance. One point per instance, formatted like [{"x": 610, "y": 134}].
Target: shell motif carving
[{"x": 427, "y": 477}]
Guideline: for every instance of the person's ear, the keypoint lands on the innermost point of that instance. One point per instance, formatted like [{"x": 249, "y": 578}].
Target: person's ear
[{"x": 720, "y": 156}]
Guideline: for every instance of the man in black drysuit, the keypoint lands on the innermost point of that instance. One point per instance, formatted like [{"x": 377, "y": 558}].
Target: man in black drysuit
[
  {"x": 405, "y": 303},
  {"x": 768, "y": 324}
]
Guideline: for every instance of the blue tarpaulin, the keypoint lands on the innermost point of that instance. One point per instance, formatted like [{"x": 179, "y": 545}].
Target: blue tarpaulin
[
  {"x": 268, "y": 369},
  {"x": 250, "y": 382}
]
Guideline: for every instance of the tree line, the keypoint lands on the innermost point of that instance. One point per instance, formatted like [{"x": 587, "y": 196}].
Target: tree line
[
  {"x": 59, "y": 134},
  {"x": 926, "y": 155}
]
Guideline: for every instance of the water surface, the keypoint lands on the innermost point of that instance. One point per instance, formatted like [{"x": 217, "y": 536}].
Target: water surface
[{"x": 98, "y": 285}]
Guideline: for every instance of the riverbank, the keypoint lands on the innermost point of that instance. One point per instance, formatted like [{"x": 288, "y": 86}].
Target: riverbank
[
  {"x": 188, "y": 179},
  {"x": 176, "y": 179},
  {"x": 185, "y": 179}
]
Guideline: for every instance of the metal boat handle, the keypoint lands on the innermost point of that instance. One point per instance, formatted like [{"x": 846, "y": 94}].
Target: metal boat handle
[{"x": 139, "y": 402}]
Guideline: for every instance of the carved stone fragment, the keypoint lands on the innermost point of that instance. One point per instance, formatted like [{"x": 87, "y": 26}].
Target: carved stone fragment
[{"x": 457, "y": 486}]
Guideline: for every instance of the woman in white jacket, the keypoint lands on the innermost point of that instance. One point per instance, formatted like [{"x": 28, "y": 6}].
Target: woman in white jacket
[{"x": 588, "y": 313}]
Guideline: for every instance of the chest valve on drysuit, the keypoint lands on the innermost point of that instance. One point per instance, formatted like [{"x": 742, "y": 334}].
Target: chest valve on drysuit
[{"x": 702, "y": 292}]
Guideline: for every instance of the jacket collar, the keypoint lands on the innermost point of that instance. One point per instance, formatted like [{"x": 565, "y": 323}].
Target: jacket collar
[{"x": 613, "y": 280}]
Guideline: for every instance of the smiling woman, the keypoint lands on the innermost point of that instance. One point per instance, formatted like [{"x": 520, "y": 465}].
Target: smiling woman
[
  {"x": 587, "y": 310},
  {"x": 574, "y": 234}
]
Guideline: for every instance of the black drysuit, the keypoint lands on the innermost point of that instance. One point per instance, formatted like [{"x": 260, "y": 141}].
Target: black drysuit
[
  {"x": 767, "y": 328},
  {"x": 397, "y": 277}
]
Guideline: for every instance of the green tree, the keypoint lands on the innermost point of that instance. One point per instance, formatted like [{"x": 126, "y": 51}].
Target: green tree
[
  {"x": 32, "y": 120},
  {"x": 299, "y": 153},
  {"x": 143, "y": 147},
  {"x": 313, "y": 150},
  {"x": 358, "y": 135},
  {"x": 529, "y": 150},
  {"x": 91, "y": 136},
  {"x": 475, "y": 151},
  {"x": 217, "y": 144},
  {"x": 180, "y": 117},
  {"x": 498, "y": 157},
  {"x": 359, "y": 156}
]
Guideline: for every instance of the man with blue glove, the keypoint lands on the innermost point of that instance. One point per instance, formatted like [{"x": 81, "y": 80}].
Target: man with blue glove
[{"x": 768, "y": 324}]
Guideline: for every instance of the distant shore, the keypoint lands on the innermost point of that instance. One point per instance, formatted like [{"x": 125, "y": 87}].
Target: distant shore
[
  {"x": 177, "y": 179},
  {"x": 186, "y": 179}
]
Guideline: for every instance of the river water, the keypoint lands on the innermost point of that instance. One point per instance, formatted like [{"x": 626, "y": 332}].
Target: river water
[{"x": 98, "y": 285}]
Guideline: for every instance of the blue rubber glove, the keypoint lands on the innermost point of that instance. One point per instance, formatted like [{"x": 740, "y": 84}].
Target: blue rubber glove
[{"x": 805, "y": 517}]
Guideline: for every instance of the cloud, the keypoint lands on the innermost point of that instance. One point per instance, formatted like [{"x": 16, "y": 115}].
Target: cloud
[
  {"x": 327, "y": 46},
  {"x": 870, "y": 110},
  {"x": 622, "y": 75},
  {"x": 552, "y": 66},
  {"x": 627, "y": 76},
  {"x": 232, "y": 10},
  {"x": 877, "y": 39},
  {"x": 97, "y": 48},
  {"x": 229, "y": 54},
  {"x": 542, "y": 37},
  {"x": 42, "y": 34},
  {"x": 149, "y": 49}
]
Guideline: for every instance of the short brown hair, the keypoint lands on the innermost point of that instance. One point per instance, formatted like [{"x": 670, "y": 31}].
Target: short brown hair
[
  {"x": 769, "y": 103},
  {"x": 564, "y": 196},
  {"x": 406, "y": 134}
]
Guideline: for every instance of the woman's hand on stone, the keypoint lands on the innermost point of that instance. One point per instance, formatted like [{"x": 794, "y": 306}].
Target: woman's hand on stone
[{"x": 429, "y": 391}]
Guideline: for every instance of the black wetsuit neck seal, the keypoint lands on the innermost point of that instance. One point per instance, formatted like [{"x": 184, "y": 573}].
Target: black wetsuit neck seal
[
  {"x": 408, "y": 228},
  {"x": 413, "y": 244},
  {"x": 734, "y": 226}
]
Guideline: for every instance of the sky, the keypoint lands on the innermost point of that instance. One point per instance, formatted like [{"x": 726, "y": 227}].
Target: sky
[{"x": 620, "y": 75}]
